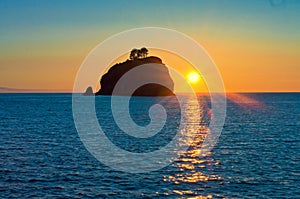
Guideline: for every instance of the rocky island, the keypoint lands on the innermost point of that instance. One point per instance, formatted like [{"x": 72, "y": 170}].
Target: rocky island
[{"x": 139, "y": 57}]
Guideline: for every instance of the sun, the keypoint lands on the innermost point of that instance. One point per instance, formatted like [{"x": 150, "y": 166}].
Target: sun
[{"x": 193, "y": 77}]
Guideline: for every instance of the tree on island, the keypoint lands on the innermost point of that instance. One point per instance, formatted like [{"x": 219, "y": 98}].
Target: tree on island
[
  {"x": 138, "y": 53},
  {"x": 144, "y": 52}
]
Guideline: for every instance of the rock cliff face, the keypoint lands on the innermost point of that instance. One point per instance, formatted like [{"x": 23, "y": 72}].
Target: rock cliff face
[{"x": 109, "y": 80}]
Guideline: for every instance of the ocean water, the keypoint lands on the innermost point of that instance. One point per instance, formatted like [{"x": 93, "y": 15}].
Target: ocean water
[{"x": 257, "y": 156}]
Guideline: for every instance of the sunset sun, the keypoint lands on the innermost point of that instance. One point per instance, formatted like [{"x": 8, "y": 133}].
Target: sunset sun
[{"x": 193, "y": 77}]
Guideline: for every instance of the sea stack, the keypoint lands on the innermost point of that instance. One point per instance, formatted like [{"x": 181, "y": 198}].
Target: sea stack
[
  {"x": 89, "y": 91},
  {"x": 109, "y": 80}
]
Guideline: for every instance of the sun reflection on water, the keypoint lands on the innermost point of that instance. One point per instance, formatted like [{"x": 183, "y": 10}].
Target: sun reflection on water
[{"x": 193, "y": 169}]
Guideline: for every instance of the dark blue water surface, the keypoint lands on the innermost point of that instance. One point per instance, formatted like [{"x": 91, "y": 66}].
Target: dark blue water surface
[{"x": 257, "y": 156}]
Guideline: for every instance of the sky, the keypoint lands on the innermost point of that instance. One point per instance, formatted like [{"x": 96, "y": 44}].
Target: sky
[{"x": 255, "y": 44}]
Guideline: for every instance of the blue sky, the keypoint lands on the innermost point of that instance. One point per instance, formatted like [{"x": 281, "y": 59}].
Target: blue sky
[{"x": 31, "y": 15}]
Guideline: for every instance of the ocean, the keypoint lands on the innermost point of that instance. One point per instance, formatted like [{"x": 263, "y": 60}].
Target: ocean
[{"x": 257, "y": 155}]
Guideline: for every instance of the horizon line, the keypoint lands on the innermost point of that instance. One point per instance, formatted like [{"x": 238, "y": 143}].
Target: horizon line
[
  {"x": 68, "y": 92},
  {"x": 22, "y": 90}
]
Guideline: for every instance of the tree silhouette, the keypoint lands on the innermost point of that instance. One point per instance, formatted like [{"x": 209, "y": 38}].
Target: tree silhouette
[
  {"x": 133, "y": 54},
  {"x": 138, "y": 53},
  {"x": 144, "y": 52}
]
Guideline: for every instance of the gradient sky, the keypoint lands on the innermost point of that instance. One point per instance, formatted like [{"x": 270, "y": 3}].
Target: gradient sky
[{"x": 255, "y": 43}]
